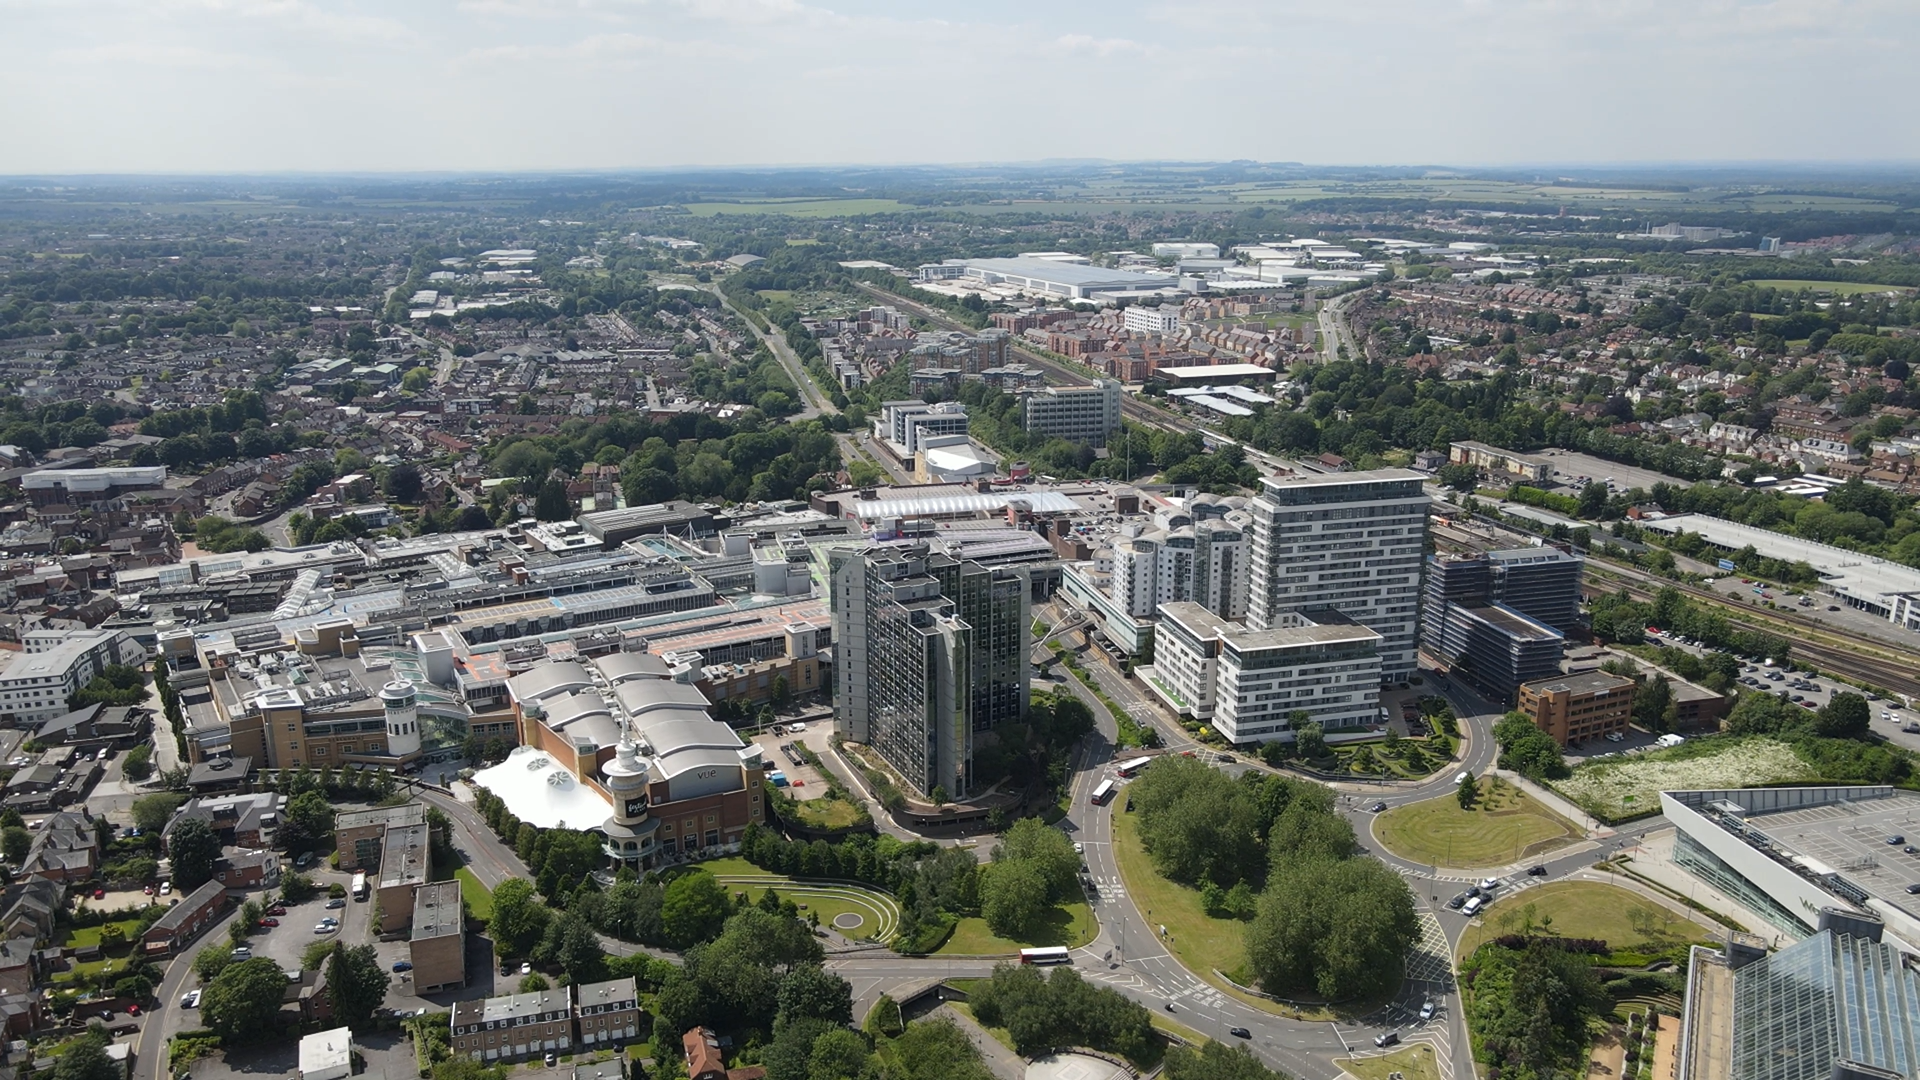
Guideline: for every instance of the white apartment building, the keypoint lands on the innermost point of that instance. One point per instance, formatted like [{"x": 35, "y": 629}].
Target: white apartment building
[
  {"x": 35, "y": 686},
  {"x": 1151, "y": 320},
  {"x": 1205, "y": 563},
  {"x": 1254, "y": 685},
  {"x": 1085, "y": 414},
  {"x": 1348, "y": 542},
  {"x": 906, "y": 423}
]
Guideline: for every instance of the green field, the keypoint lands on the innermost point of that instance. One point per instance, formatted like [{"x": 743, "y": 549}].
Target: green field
[
  {"x": 1070, "y": 924},
  {"x": 1618, "y": 788},
  {"x": 824, "y": 813},
  {"x": 479, "y": 898},
  {"x": 879, "y": 913},
  {"x": 1838, "y": 288},
  {"x": 1505, "y": 826},
  {"x": 1203, "y": 943},
  {"x": 1410, "y": 1062},
  {"x": 1588, "y": 909},
  {"x": 799, "y": 207}
]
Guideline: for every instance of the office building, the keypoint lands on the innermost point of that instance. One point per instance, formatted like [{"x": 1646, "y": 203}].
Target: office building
[
  {"x": 1498, "y": 618},
  {"x": 1501, "y": 463},
  {"x": 1205, "y": 563},
  {"x": 404, "y": 866},
  {"x": 931, "y": 649},
  {"x": 1348, "y": 542},
  {"x": 1082, "y": 414},
  {"x": 1842, "y": 1004},
  {"x": 1575, "y": 708},
  {"x": 437, "y": 943},
  {"x": 1255, "y": 685}
]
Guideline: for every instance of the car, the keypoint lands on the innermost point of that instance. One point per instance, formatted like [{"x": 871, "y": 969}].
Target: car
[
  {"x": 402, "y": 965},
  {"x": 305, "y": 860},
  {"x": 239, "y": 953},
  {"x": 1833, "y": 607},
  {"x": 1426, "y": 1010},
  {"x": 325, "y": 928},
  {"x": 148, "y": 890},
  {"x": 268, "y": 924},
  {"x": 1240, "y": 1033},
  {"x": 166, "y": 888},
  {"x": 1914, "y": 888},
  {"x": 1386, "y": 1039},
  {"x": 552, "y": 1059},
  {"x": 133, "y": 1010},
  {"x": 1911, "y": 850},
  {"x": 1186, "y": 753},
  {"x": 1614, "y": 736},
  {"x": 1473, "y": 892},
  {"x": 1808, "y": 705},
  {"x": 191, "y": 1001},
  {"x": 1536, "y": 871},
  {"x": 336, "y": 903},
  {"x": 1377, "y": 807},
  {"x": 99, "y": 894},
  {"x": 277, "y": 909},
  {"x": 1896, "y": 840},
  {"x": 526, "y": 968},
  {"x": 1488, "y": 884},
  {"x": 1746, "y": 581},
  {"x": 1911, "y": 728},
  {"x": 1226, "y": 759},
  {"x": 1078, "y": 848},
  {"x": 1459, "y": 900}
]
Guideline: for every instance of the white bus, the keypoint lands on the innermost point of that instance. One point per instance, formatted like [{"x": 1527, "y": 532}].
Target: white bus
[
  {"x": 1055, "y": 955},
  {"x": 1102, "y": 793},
  {"x": 1128, "y": 768},
  {"x": 360, "y": 886}
]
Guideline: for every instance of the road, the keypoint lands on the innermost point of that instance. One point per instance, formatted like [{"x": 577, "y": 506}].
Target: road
[
  {"x": 1334, "y": 332},
  {"x": 815, "y": 403}
]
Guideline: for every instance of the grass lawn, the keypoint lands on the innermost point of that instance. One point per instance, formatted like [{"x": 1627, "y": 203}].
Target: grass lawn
[
  {"x": 1071, "y": 925},
  {"x": 1506, "y": 825},
  {"x": 828, "y": 812},
  {"x": 1589, "y": 909},
  {"x": 1617, "y": 788},
  {"x": 1412, "y": 1062},
  {"x": 91, "y": 935},
  {"x": 478, "y": 897},
  {"x": 1840, "y": 288}
]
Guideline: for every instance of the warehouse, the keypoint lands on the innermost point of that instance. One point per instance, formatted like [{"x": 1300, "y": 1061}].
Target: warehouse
[
  {"x": 1216, "y": 375},
  {"x": 1874, "y": 585},
  {"x": 1050, "y": 278}
]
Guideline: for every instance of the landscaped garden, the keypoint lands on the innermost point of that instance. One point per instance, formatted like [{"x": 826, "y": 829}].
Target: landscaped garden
[
  {"x": 1588, "y": 909},
  {"x": 1504, "y": 825}
]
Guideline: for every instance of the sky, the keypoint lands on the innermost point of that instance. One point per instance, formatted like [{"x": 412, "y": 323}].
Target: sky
[{"x": 218, "y": 86}]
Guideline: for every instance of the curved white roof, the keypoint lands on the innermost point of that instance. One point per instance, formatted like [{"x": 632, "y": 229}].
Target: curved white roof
[{"x": 542, "y": 793}]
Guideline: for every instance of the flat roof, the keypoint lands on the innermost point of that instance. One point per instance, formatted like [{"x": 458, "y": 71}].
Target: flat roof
[
  {"x": 1585, "y": 682},
  {"x": 326, "y": 1050},
  {"x": 1843, "y": 570},
  {"x": 403, "y": 856},
  {"x": 1850, "y": 838},
  {"x": 436, "y": 911},
  {"x": 1075, "y": 274},
  {"x": 412, "y": 813},
  {"x": 1215, "y": 371}
]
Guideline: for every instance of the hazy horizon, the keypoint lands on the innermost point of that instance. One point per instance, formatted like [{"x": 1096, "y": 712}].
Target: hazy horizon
[{"x": 291, "y": 87}]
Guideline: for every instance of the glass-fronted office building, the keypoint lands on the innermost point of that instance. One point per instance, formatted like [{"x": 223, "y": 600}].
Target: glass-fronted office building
[{"x": 1830, "y": 999}]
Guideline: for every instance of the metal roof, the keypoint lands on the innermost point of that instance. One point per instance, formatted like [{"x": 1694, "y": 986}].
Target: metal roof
[{"x": 1040, "y": 502}]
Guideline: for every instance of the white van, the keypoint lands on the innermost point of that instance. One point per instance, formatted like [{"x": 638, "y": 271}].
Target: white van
[
  {"x": 1473, "y": 904},
  {"x": 1461, "y": 779}
]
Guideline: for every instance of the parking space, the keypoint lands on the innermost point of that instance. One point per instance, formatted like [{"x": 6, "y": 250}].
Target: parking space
[
  {"x": 1853, "y": 839},
  {"x": 803, "y": 780}
]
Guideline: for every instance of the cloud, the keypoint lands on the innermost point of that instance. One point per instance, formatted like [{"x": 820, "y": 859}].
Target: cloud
[{"x": 1084, "y": 43}]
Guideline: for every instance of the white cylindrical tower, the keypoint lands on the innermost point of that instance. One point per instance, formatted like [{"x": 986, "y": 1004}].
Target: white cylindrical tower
[
  {"x": 403, "y": 718},
  {"x": 630, "y": 831}
]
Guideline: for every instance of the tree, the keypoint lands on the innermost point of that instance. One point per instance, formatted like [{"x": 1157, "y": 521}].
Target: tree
[
  {"x": 552, "y": 504},
  {"x": 85, "y": 1058},
  {"x": 532, "y": 983},
  {"x": 209, "y": 962},
  {"x": 694, "y": 908},
  {"x": 356, "y": 984},
  {"x": 935, "y": 1050},
  {"x": 1650, "y": 703},
  {"x": 14, "y": 842},
  {"x": 1047, "y": 849},
  {"x": 1216, "y": 1061},
  {"x": 1337, "y": 926},
  {"x": 1013, "y": 898},
  {"x": 837, "y": 1054},
  {"x": 810, "y": 991},
  {"x": 152, "y": 812},
  {"x": 403, "y": 481},
  {"x": 518, "y": 922},
  {"x": 138, "y": 764},
  {"x": 1847, "y": 716},
  {"x": 1311, "y": 741},
  {"x": 242, "y": 1002},
  {"x": 1467, "y": 793},
  {"x": 194, "y": 849},
  {"x": 309, "y": 822}
]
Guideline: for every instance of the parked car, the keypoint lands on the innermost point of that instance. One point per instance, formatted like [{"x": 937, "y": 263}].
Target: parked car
[
  {"x": 1896, "y": 839},
  {"x": 277, "y": 909},
  {"x": 99, "y": 894},
  {"x": 148, "y": 890},
  {"x": 268, "y": 924},
  {"x": 1489, "y": 884},
  {"x": 239, "y": 953},
  {"x": 1426, "y": 1010},
  {"x": 552, "y": 1059},
  {"x": 336, "y": 903},
  {"x": 166, "y": 888},
  {"x": 402, "y": 965},
  {"x": 1914, "y": 888},
  {"x": 526, "y": 968},
  {"x": 1459, "y": 900},
  {"x": 191, "y": 1001},
  {"x": 1614, "y": 736}
]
